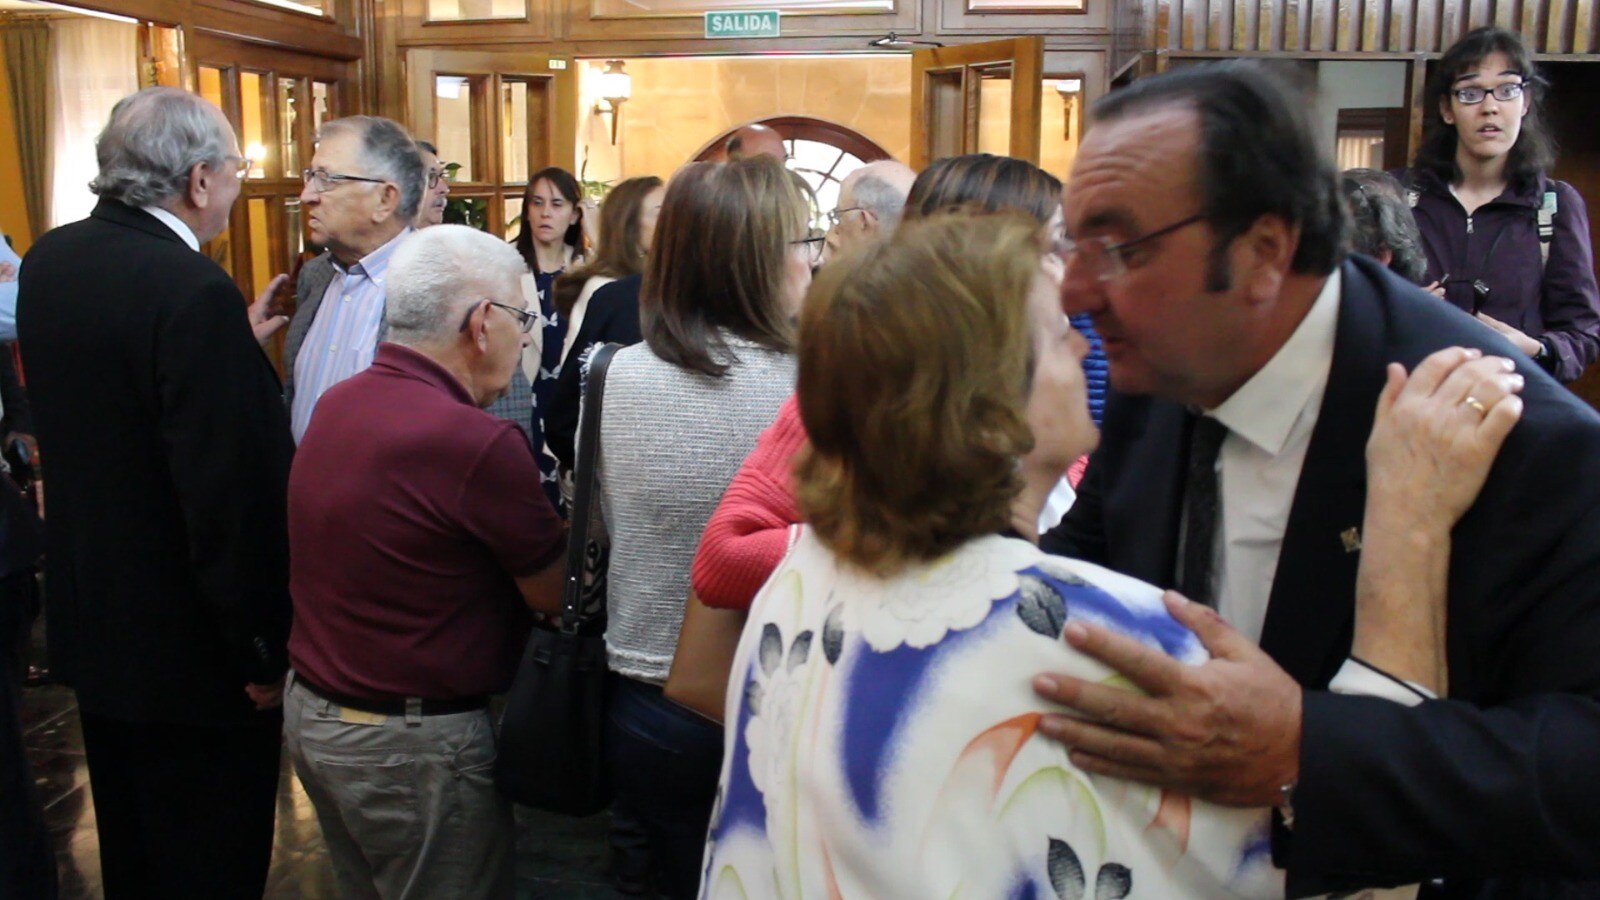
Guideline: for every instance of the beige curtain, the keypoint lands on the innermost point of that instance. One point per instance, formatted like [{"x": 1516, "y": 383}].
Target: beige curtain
[
  {"x": 96, "y": 63},
  {"x": 28, "y": 67}
]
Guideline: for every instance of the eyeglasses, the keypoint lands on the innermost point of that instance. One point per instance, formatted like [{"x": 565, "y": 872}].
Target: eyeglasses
[
  {"x": 321, "y": 180},
  {"x": 241, "y": 165},
  {"x": 526, "y": 319},
  {"x": 834, "y": 215},
  {"x": 433, "y": 177},
  {"x": 1505, "y": 93},
  {"x": 1105, "y": 260},
  {"x": 814, "y": 247}
]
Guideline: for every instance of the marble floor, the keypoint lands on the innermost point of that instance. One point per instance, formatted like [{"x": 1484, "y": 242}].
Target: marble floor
[{"x": 557, "y": 857}]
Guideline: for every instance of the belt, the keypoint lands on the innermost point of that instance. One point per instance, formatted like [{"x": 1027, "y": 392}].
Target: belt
[{"x": 396, "y": 706}]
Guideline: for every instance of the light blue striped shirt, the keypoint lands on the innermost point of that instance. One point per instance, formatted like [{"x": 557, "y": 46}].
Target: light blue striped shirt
[{"x": 344, "y": 335}]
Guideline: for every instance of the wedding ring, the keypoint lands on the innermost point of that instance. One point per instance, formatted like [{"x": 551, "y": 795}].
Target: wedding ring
[{"x": 1476, "y": 404}]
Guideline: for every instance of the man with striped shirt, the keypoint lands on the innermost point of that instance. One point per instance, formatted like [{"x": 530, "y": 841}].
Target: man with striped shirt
[{"x": 361, "y": 194}]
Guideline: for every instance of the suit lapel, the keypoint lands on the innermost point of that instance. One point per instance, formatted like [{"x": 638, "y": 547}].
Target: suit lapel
[
  {"x": 1145, "y": 504},
  {"x": 1311, "y": 611},
  {"x": 313, "y": 284}
]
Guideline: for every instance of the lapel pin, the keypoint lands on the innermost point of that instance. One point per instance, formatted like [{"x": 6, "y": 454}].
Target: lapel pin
[{"x": 1351, "y": 538}]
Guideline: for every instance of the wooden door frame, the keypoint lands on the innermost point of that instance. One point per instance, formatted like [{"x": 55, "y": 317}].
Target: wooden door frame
[{"x": 1025, "y": 55}]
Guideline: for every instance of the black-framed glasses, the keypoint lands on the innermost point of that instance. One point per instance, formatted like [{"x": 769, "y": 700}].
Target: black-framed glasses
[
  {"x": 834, "y": 215},
  {"x": 814, "y": 247},
  {"x": 434, "y": 176},
  {"x": 526, "y": 319},
  {"x": 321, "y": 180},
  {"x": 1105, "y": 260},
  {"x": 1505, "y": 93}
]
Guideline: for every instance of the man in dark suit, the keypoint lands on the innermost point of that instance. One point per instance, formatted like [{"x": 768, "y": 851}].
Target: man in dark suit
[
  {"x": 1206, "y": 239},
  {"x": 166, "y": 545}
]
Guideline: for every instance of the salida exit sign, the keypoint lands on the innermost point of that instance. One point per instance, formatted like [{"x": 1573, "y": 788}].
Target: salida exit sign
[{"x": 750, "y": 23}]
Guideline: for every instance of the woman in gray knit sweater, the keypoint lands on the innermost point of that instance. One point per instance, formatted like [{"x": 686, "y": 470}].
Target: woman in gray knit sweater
[{"x": 730, "y": 264}]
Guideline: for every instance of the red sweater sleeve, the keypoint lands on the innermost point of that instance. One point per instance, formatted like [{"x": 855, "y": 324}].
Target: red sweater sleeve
[{"x": 748, "y": 534}]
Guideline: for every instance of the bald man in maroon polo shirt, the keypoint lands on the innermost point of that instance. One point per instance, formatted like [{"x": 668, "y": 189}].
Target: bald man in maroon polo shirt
[{"x": 419, "y": 539}]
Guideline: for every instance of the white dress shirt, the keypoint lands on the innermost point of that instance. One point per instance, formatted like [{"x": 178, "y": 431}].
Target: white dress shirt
[
  {"x": 1269, "y": 420},
  {"x": 178, "y": 226}
]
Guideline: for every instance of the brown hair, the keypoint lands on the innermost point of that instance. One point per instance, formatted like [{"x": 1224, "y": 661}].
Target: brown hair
[
  {"x": 620, "y": 253},
  {"x": 568, "y": 187},
  {"x": 909, "y": 463},
  {"x": 990, "y": 182},
  {"x": 718, "y": 262}
]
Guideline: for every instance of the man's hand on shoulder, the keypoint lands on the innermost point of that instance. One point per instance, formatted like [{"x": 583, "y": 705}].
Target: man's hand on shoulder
[
  {"x": 1227, "y": 731},
  {"x": 262, "y": 319}
]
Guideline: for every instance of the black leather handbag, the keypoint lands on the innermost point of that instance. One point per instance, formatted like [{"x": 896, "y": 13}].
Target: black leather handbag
[{"x": 551, "y": 752}]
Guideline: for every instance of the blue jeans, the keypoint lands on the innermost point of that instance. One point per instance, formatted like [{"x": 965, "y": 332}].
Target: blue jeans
[{"x": 665, "y": 762}]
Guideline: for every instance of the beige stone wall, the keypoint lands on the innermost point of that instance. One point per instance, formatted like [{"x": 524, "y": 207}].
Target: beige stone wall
[{"x": 679, "y": 105}]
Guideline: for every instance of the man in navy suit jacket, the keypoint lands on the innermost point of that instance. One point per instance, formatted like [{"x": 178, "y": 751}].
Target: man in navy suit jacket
[{"x": 1208, "y": 244}]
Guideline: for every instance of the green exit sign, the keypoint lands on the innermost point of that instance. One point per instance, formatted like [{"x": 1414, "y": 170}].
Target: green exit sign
[{"x": 758, "y": 23}]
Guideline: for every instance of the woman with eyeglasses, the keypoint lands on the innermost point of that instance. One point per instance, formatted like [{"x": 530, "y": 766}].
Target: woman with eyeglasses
[
  {"x": 1509, "y": 243},
  {"x": 723, "y": 283}
]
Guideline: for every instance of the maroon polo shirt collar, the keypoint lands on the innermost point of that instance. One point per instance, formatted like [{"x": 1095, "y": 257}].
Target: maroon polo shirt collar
[{"x": 407, "y": 362}]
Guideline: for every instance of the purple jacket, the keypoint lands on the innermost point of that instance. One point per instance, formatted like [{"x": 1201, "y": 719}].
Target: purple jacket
[{"x": 1499, "y": 246}]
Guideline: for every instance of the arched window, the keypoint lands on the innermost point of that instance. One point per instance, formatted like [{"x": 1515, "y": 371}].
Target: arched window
[{"x": 820, "y": 152}]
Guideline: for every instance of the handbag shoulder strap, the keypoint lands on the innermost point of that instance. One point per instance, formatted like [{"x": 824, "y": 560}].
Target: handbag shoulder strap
[{"x": 583, "y": 478}]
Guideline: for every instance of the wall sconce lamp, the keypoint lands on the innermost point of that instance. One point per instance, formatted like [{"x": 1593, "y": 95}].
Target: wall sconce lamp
[
  {"x": 1070, "y": 89},
  {"x": 615, "y": 87}
]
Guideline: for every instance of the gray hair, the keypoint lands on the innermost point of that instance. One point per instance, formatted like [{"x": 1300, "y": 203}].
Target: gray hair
[
  {"x": 151, "y": 143},
  {"x": 1382, "y": 220},
  {"x": 438, "y": 273},
  {"x": 387, "y": 152},
  {"x": 881, "y": 199}
]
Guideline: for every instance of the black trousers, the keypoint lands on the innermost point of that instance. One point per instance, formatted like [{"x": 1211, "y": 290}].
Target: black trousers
[
  {"x": 184, "y": 810},
  {"x": 27, "y": 863}
]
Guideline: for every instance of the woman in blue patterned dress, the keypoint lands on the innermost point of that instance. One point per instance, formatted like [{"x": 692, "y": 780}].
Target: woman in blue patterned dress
[
  {"x": 881, "y": 737},
  {"x": 550, "y": 241}
]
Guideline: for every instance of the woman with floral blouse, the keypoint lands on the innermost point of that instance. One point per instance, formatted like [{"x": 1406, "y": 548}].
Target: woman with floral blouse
[{"x": 881, "y": 732}]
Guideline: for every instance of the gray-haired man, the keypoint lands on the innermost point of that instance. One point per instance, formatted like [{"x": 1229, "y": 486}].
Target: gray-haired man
[
  {"x": 418, "y": 532},
  {"x": 871, "y": 200},
  {"x": 167, "y": 558},
  {"x": 362, "y": 192}
]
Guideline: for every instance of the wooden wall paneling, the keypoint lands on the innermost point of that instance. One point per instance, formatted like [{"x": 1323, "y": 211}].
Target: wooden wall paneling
[
  {"x": 953, "y": 17},
  {"x": 1194, "y": 25},
  {"x": 1269, "y": 25},
  {"x": 1416, "y": 89},
  {"x": 1346, "y": 24},
  {"x": 303, "y": 33},
  {"x": 1246, "y": 18},
  {"x": 1532, "y": 27},
  {"x": 1450, "y": 26},
  {"x": 1219, "y": 24},
  {"x": 1583, "y": 26},
  {"x": 907, "y": 19},
  {"x": 1321, "y": 37},
  {"x": 1479, "y": 12},
  {"x": 1558, "y": 27},
  {"x": 1427, "y": 33},
  {"x": 1505, "y": 13},
  {"x": 1164, "y": 25},
  {"x": 1401, "y": 19},
  {"x": 1373, "y": 26},
  {"x": 414, "y": 26}
]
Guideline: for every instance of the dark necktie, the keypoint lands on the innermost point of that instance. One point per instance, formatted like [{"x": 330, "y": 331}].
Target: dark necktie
[{"x": 1202, "y": 505}]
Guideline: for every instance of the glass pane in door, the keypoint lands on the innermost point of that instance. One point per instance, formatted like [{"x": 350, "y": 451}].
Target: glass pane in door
[
  {"x": 288, "y": 127},
  {"x": 252, "y": 97},
  {"x": 994, "y": 110},
  {"x": 514, "y": 138},
  {"x": 453, "y": 122},
  {"x": 459, "y": 10}
]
